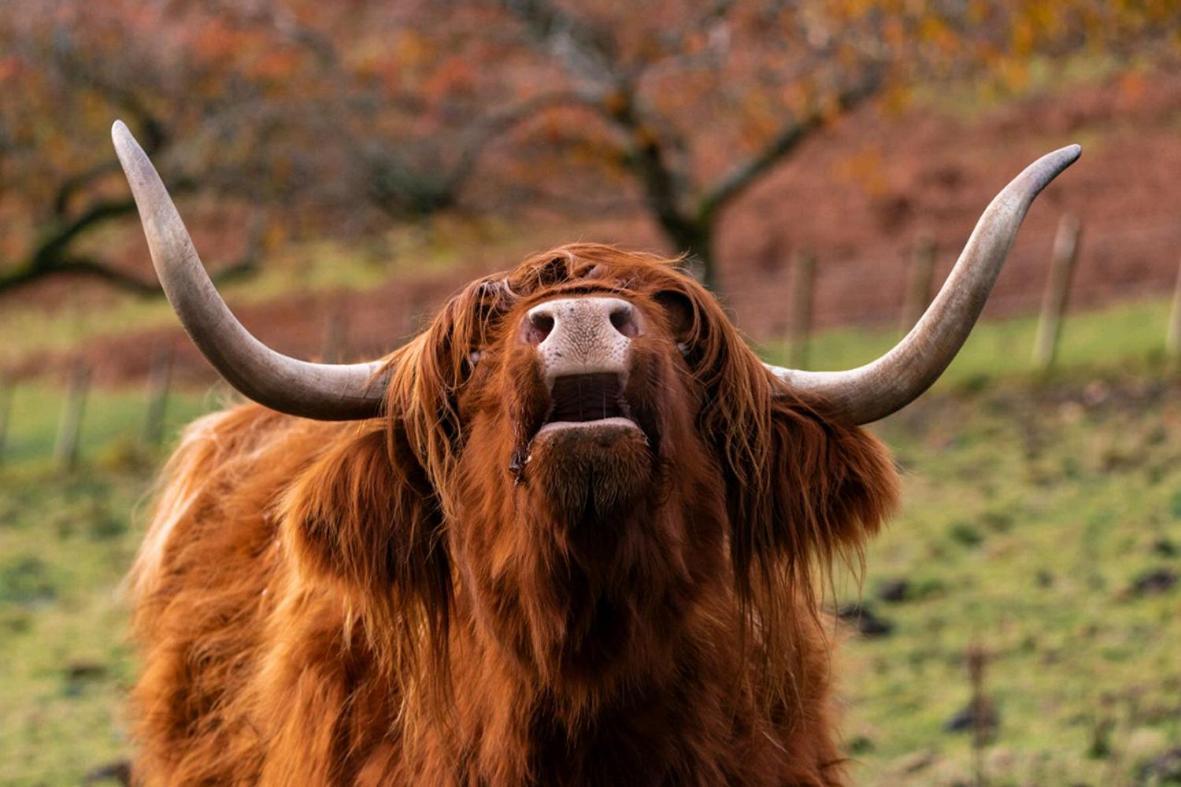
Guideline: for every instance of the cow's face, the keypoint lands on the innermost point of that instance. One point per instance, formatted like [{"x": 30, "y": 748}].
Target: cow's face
[{"x": 580, "y": 397}]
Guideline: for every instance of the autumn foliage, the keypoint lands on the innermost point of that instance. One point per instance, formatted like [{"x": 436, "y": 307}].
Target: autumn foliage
[{"x": 343, "y": 117}]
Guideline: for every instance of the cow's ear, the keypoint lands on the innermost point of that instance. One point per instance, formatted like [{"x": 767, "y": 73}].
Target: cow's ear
[
  {"x": 422, "y": 402},
  {"x": 364, "y": 516},
  {"x": 829, "y": 487}
]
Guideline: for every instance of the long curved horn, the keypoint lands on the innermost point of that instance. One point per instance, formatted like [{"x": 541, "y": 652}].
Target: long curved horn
[
  {"x": 894, "y": 380},
  {"x": 328, "y": 392}
]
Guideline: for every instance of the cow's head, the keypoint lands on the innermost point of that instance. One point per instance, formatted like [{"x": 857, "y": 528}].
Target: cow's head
[
  {"x": 589, "y": 380},
  {"x": 586, "y": 442}
]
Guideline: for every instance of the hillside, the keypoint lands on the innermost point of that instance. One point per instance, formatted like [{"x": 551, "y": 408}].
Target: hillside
[{"x": 1040, "y": 524}]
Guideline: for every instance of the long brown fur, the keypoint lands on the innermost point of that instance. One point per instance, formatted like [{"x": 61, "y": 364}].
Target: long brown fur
[{"x": 425, "y": 599}]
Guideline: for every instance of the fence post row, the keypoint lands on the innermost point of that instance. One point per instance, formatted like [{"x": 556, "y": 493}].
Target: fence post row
[
  {"x": 1057, "y": 295},
  {"x": 917, "y": 297}
]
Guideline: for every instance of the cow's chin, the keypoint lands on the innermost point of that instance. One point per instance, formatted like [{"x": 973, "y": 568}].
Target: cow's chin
[{"x": 591, "y": 470}]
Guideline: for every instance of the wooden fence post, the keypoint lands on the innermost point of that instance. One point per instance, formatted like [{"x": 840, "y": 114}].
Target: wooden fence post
[
  {"x": 918, "y": 285},
  {"x": 7, "y": 391},
  {"x": 70, "y": 429},
  {"x": 335, "y": 337},
  {"x": 983, "y": 715},
  {"x": 1173, "y": 333},
  {"x": 802, "y": 292},
  {"x": 159, "y": 383},
  {"x": 1057, "y": 295}
]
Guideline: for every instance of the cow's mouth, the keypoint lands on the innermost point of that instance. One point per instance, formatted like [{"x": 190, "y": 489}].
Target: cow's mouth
[
  {"x": 588, "y": 402},
  {"x": 589, "y": 447},
  {"x": 588, "y": 457}
]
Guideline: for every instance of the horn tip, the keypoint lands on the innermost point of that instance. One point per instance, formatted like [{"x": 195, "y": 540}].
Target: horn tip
[
  {"x": 1039, "y": 174},
  {"x": 1064, "y": 157},
  {"x": 125, "y": 145},
  {"x": 119, "y": 131}
]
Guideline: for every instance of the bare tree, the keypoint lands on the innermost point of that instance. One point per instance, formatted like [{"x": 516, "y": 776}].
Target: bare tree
[{"x": 655, "y": 146}]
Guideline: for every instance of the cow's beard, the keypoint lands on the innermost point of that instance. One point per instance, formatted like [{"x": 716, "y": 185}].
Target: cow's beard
[
  {"x": 588, "y": 494},
  {"x": 582, "y": 573},
  {"x": 602, "y": 571},
  {"x": 586, "y": 476}
]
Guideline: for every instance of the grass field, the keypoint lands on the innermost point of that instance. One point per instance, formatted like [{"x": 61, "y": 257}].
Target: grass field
[{"x": 1041, "y": 524}]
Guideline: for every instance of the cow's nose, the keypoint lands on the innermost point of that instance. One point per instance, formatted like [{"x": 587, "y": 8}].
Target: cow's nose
[{"x": 582, "y": 335}]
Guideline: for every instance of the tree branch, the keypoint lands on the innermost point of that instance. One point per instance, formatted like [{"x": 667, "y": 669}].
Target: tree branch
[
  {"x": 741, "y": 177},
  {"x": 53, "y": 245},
  {"x": 75, "y": 183},
  {"x": 91, "y": 267},
  {"x": 95, "y": 268},
  {"x": 585, "y": 50},
  {"x": 504, "y": 122},
  {"x": 51, "y": 256},
  {"x": 151, "y": 131},
  {"x": 591, "y": 53},
  {"x": 18, "y": 277},
  {"x": 396, "y": 188}
]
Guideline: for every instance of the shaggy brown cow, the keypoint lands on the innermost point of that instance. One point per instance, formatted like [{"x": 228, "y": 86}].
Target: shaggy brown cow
[{"x": 570, "y": 534}]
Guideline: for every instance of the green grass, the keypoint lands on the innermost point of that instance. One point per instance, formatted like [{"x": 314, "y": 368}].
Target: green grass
[
  {"x": 1127, "y": 337},
  {"x": 1028, "y": 514},
  {"x": 1031, "y": 505},
  {"x": 64, "y": 545},
  {"x": 66, "y": 540}
]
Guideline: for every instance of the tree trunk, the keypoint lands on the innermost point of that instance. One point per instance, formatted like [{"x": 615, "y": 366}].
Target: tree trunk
[
  {"x": 694, "y": 239},
  {"x": 702, "y": 262}
]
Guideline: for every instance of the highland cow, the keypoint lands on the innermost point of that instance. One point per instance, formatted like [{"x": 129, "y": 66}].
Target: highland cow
[{"x": 572, "y": 533}]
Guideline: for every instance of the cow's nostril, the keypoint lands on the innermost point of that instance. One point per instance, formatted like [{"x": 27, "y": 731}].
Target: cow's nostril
[
  {"x": 624, "y": 319},
  {"x": 541, "y": 324}
]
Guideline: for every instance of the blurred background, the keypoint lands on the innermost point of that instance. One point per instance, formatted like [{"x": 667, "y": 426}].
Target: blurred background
[{"x": 344, "y": 167}]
